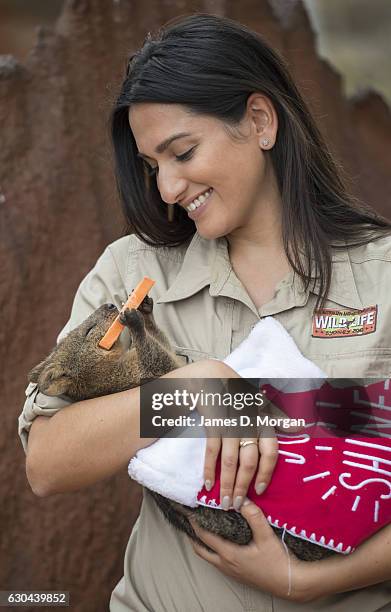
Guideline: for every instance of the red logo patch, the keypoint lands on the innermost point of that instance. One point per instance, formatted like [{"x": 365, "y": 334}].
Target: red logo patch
[{"x": 330, "y": 323}]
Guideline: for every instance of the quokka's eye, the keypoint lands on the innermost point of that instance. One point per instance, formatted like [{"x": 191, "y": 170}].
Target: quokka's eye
[{"x": 89, "y": 329}]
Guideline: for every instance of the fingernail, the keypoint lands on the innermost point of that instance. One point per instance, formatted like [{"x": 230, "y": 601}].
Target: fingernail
[
  {"x": 238, "y": 502},
  {"x": 226, "y": 502},
  {"x": 246, "y": 502},
  {"x": 208, "y": 485},
  {"x": 260, "y": 487}
]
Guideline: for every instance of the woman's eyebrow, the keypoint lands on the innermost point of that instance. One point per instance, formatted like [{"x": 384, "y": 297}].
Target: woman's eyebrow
[{"x": 166, "y": 143}]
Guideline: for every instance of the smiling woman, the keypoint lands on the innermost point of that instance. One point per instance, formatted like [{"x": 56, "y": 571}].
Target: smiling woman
[
  {"x": 220, "y": 183},
  {"x": 227, "y": 116},
  {"x": 209, "y": 123}
]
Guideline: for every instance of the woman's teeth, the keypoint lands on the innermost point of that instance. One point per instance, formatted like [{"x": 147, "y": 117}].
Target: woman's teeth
[{"x": 198, "y": 201}]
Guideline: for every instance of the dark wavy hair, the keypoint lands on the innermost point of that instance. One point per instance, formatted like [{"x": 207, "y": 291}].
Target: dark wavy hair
[{"x": 211, "y": 65}]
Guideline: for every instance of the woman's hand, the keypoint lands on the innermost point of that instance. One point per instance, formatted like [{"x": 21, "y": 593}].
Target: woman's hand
[
  {"x": 240, "y": 459},
  {"x": 264, "y": 563},
  {"x": 238, "y": 466}
]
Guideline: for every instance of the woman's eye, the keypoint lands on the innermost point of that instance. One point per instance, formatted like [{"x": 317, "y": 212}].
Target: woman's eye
[
  {"x": 181, "y": 158},
  {"x": 186, "y": 155}
]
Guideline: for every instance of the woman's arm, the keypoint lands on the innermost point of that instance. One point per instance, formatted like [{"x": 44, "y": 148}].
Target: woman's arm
[
  {"x": 265, "y": 564},
  {"x": 92, "y": 440},
  {"x": 369, "y": 564},
  {"x": 83, "y": 443}
]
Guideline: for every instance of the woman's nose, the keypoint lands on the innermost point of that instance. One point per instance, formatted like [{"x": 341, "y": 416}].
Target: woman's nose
[{"x": 170, "y": 186}]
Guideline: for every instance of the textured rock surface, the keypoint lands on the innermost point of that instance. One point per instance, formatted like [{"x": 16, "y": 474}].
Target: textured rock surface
[{"x": 58, "y": 209}]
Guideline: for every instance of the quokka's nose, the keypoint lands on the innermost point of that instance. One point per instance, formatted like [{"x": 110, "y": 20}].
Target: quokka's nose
[{"x": 111, "y": 306}]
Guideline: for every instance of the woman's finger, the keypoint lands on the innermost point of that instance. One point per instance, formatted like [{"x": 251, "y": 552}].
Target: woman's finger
[
  {"x": 268, "y": 448},
  {"x": 229, "y": 462},
  {"x": 218, "y": 545},
  {"x": 205, "y": 554},
  {"x": 248, "y": 463},
  {"x": 257, "y": 522},
  {"x": 212, "y": 450}
]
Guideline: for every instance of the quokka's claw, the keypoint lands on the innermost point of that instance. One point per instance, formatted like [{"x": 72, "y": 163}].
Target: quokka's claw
[
  {"x": 131, "y": 318},
  {"x": 146, "y": 305}
]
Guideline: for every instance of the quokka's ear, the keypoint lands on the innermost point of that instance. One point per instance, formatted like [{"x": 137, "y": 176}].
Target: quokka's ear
[
  {"x": 54, "y": 380},
  {"x": 33, "y": 375}
]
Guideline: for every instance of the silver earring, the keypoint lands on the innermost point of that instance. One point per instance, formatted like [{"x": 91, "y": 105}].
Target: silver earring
[{"x": 265, "y": 142}]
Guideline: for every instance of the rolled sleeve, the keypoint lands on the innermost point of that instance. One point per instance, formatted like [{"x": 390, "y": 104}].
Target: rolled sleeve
[{"x": 37, "y": 404}]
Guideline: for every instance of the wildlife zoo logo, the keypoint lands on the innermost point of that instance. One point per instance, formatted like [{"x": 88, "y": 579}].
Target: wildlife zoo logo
[{"x": 329, "y": 323}]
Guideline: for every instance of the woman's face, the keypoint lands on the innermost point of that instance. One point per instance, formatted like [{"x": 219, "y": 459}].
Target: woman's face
[{"x": 219, "y": 181}]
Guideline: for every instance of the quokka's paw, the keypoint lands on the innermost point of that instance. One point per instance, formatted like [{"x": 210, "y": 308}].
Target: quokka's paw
[
  {"x": 132, "y": 319},
  {"x": 146, "y": 305}
]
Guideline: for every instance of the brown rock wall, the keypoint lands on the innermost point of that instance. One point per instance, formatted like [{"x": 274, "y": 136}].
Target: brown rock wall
[{"x": 58, "y": 209}]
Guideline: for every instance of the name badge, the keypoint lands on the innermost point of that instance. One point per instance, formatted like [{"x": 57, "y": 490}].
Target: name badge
[{"x": 330, "y": 323}]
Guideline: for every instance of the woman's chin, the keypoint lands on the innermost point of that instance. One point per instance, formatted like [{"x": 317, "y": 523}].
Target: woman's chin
[{"x": 210, "y": 232}]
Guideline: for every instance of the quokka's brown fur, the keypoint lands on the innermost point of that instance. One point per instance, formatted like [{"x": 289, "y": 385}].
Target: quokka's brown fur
[{"x": 78, "y": 368}]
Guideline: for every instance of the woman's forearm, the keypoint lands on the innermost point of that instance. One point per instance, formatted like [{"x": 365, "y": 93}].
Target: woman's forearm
[
  {"x": 94, "y": 439},
  {"x": 369, "y": 564},
  {"x": 83, "y": 443}
]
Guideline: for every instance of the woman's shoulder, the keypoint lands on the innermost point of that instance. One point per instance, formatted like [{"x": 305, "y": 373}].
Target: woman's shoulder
[
  {"x": 370, "y": 266},
  {"x": 132, "y": 246},
  {"x": 377, "y": 250},
  {"x": 131, "y": 259}
]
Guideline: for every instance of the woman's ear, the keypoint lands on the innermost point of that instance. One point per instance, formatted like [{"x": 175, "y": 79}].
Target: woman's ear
[{"x": 263, "y": 119}]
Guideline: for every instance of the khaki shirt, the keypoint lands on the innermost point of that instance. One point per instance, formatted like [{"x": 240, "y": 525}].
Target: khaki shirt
[{"x": 206, "y": 312}]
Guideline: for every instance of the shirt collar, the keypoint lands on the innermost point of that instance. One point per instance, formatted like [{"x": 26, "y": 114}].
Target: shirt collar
[
  {"x": 343, "y": 287},
  {"x": 194, "y": 273},
  {"x": 206, "y": 263}
]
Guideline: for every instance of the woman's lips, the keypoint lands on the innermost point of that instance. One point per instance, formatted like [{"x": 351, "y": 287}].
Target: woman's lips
[{"x": 194, "y": 214}]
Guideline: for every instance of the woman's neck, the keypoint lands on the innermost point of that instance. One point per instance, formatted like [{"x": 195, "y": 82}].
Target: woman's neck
[
  {"x": 261, "y": 236},
  {"x": 257, "y": 253}
]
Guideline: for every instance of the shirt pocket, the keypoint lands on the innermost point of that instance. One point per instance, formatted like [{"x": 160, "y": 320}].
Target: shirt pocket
[
  {"x": 188, "y": 355},
  {"x": 369, "y": 363}
]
